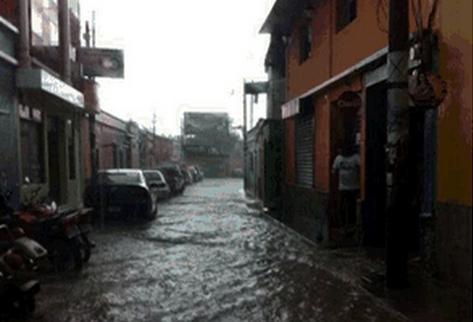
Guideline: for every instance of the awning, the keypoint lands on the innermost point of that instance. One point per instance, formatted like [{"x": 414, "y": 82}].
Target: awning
[{"x": 39, "y": 80}]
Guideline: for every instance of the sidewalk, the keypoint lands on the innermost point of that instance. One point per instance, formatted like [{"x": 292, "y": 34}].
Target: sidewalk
[{"x": 426, "y": 299}]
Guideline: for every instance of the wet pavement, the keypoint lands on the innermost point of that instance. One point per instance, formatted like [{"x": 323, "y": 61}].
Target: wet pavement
[{"x": 208, "y": 257}]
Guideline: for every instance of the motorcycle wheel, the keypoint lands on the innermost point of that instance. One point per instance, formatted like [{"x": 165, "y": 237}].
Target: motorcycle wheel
[
  {"x": 23, "y": 306},
  {"x": 28, "y": 304},
  {"x": 86, "y": 249},
  {"x": 66, "y": 255}
]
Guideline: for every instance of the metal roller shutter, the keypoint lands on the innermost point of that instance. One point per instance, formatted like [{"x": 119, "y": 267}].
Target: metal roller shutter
[{"x": 305, "y": 150}]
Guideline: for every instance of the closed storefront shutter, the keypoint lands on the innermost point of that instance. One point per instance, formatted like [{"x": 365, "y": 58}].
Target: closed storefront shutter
[{"x": 305, "y": 150}]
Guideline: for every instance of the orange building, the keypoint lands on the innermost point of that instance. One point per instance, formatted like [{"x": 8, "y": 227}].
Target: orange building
[{"x": 335, "y": 72}]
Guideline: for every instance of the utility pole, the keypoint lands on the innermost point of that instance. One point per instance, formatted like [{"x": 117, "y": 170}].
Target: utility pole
[
  {"x": 252, "y": 110},
  {"x": 24, "y": 26},
  {"x": 398, "y": 206},
  {"x": 94, "y": 29},
  {"x": 89, "y": 38},
  {"x": 65, "y": 39},
  {"x": 245, "y": 143},
  {"x": 154, "y": 140}
]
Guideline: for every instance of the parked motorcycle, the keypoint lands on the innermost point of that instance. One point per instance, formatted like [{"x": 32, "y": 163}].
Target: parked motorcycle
[
  {"x": 59, "y": 233},
  {"x": 65, "y": 234},
  {"x": 33, "y": 253},
  {"x": 18, "y": 288},
  {"x": 15, "y": 237}
]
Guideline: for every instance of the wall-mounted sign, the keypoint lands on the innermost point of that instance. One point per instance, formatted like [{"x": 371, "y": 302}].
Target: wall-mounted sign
[
  {"x": 100, "y": 62},
  {"x": 38, "y": 79},
  {"x": 290, "y": 108}
]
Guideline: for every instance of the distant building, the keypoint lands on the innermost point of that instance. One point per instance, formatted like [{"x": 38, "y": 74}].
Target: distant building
[{"x": 207, "y": 142}]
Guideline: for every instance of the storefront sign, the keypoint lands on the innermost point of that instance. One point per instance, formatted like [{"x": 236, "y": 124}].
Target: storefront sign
[
  {"x": 291, "y": 108},
  {"x": 38, "y": 79},
  {"x": 99, "y": 62}
]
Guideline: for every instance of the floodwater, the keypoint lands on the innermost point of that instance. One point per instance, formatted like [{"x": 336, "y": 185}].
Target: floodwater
[{"x": 207, "y": 257}]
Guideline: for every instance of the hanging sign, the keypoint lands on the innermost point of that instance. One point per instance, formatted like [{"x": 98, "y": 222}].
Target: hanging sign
[{"x": 100, "y": 62}]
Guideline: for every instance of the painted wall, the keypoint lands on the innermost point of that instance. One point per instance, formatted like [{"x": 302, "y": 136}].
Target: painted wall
[
  {"x": 454, "y": 163},
  {"x": 316, "y": 69},
  {"x": 333, "y": 52}
]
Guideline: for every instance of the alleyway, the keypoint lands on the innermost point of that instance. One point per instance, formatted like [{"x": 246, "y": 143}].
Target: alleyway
[{"x": 208, "y": 257}]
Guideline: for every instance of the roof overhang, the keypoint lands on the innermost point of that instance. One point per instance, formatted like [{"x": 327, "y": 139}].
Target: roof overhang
[
  {"x": 41, "y": 82},
  {"x": 282, "y": 16}
]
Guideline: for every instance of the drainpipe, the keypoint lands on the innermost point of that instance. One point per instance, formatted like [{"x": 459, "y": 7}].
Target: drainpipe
[
  {"x": 24, "y": 26},
  {"x": 64, "y": 39}
]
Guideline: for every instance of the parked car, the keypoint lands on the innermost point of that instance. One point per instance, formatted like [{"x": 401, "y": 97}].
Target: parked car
[
  {"x": 157, "y": 184},
  {"x": 122, "y": 194},
  {"x": 237, "y": 173},
  {"x": 195, "y": 174},
  {"x": 174, "y": 177},
  {"x": 200, "y": 173},
  {"x": 187, "y": 176}
]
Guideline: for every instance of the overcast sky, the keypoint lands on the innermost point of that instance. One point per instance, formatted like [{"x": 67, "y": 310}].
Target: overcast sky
[{"x": 181, "y": 55}]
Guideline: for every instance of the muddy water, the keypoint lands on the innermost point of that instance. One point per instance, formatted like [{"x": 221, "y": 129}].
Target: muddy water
[{"x": 208, "y": 257}]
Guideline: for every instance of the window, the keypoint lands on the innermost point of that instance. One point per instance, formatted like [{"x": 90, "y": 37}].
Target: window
[
  {"x": 121, "y": 177},
  {"x": 305, "y": 42},
  {"x": 44, "y": 23},
  {"x": 346, "y": 13},
  {"x": 32, "y": 151}
]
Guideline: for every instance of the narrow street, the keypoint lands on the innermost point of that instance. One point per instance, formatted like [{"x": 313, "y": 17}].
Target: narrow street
[{"x": 208, "y": 257}]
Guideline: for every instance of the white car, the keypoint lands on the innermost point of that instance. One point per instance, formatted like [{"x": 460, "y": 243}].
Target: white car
[{"x": 157, "y": 184}]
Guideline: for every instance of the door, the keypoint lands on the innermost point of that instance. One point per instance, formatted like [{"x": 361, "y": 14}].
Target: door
[{"x": 54, "y": 157}]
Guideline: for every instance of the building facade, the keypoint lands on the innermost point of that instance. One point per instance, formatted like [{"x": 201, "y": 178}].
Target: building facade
[
  {"x": 335, "y": 95},
  {"x": 45, "y": 102}
]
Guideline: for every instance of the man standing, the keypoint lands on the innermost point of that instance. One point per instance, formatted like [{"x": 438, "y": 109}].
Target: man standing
[{"x": 347, "y": 164}]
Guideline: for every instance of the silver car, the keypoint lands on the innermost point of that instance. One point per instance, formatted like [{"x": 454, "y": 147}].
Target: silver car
[
  {"x": 125, "y": 195},
  {"x": 157, "y": 184}
]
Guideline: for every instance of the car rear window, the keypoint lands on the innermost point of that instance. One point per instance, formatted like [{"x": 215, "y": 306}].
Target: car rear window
[
  {"x": 170, "y": 172},
  {"x": 121, "y": 178},
  {"x": 153, "y": 176}
]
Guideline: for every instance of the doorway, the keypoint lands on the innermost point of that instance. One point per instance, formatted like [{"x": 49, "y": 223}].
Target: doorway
[
  {"x": 345, "y": 129},
  {"x": 54, "y": 159},
  {"x": 374, "y": 217}
]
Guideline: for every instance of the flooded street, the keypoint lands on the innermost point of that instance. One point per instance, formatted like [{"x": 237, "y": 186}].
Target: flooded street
[{"x": 208, "y": 257}]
